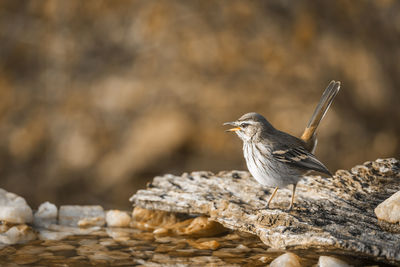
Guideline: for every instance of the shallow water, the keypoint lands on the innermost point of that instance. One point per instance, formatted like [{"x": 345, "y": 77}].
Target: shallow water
[{"x": 133, "y": 247}]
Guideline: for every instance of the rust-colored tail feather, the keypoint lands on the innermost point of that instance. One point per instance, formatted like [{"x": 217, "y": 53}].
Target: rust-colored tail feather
[{"x": 329, "y": 94}]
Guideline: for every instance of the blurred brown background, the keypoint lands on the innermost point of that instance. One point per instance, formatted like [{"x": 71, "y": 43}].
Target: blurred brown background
[{"x": 98, "y": 97}]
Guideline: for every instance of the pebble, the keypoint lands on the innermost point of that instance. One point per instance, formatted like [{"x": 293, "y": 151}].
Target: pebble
[
  {"x": 30, "y": 249},
  {"x": 117, "y": 218},
  {"x": 94, "y": 221},
  {"x": 13, "y": 208},
  {"x": 327, "y": 261},
  {"x": 26, "y": 259},
  {"x": 118, "y": 234},
  {"x": 61, "y": 247},
  {"x": 51, "y": 235},
  {"x": 83, "y": 216},
  {"x": 107, "y": 242},
  {"x": 212, "y": 245},
  {"x": 58, "y": 232},
  {"x": 17, "y": 234},
  {"x": 389, "y": 210},
  {"x": 202, "y": 226},
  {"x": 286, "y": 260},
  {"x": 45, "y": 215}
]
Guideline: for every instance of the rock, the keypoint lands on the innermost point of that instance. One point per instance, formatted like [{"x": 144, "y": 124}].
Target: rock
[
  {"x": 45, "y": 215},
  {"x": 13, "y": 208},
  {"x": 117, "y": 218},
  {"x": 150, "y": 220},
  {"x": 212, "y": 244},
  {"x": 83, "y": 216},
  {"x": 51, "y": 235},
  {"x": 335, "y": 213},
  {"x": 326, "y": 261},
  {"x": 286, "y": 260},
  {"x": 17, "y": 234},
  {"x": 26, "y": 259},
  {"x": 119, "y": 234},
  {"x": 201, "y": 226},
  {"x": 93, "y": 221},
  {"x": 58, "y": 232},
  {"x": 166, "y": 223},
  {"x": 389, "y": 210}
]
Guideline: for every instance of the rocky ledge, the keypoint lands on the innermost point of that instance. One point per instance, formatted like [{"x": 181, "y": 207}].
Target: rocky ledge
[{"x": 337, "y": 215}]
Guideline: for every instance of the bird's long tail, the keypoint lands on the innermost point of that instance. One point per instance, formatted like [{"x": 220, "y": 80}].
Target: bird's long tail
[{"x": 329, "y": 94}]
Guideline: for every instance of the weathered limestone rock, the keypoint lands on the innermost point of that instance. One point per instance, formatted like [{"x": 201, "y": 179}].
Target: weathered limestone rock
[
  {"x": 13, "y": 208},
  {"x": 45, "y": 215},
  {"x": 389, "y": 210},
  {"x": 117, "y": 218},
  {"x": 82, "y": 216},
  {"x": 330, "y": 214}
]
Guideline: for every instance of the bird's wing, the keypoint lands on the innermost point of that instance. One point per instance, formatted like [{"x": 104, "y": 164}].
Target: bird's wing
[{"x": 300, "y": 158}]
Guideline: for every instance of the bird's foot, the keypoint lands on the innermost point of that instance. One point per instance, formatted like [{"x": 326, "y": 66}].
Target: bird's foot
[{"x": 290, "y": 207}]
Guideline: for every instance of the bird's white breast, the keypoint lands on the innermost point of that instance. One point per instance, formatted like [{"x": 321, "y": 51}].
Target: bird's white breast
[{"x": 261, "y": 166}]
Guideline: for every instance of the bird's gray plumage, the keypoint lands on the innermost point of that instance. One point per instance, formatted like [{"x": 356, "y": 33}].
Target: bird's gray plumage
[
  {"x": 273, "y": 157},
  {"x": 278, "y": 159}
]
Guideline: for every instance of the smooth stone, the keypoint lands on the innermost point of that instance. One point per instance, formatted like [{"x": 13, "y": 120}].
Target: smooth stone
[
  {"x": 26, "y": 259},
  {"x": 58, "y": 232},
  {"x": 51, "y": 235},
  {"x": 17, "y": 234},
  {"x": 389, "y": 210},
  {"x": 210, "y": 244},
  {"x": 94, "y": 221},
  {"x": 61, "y": 247},
  {"x": 286, "y": 260},
  {"x": 118, "y": 234},
  {"x": 117, "y": 218},
  {"x": 83, "y": 216},
  {"x": 14, "y": 208},
  {"x": 45, "y": 215},
  {"x": 327, "y": 261}
]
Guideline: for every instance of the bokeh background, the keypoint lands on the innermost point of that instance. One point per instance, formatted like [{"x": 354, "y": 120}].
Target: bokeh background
[{"x": 98, "y": 97}]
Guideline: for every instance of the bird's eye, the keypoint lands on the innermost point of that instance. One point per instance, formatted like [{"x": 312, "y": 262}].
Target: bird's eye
[{"x": 244, "y": 125}]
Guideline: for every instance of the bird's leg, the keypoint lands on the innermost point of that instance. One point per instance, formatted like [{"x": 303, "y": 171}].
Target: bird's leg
[
  {"x": 272, "y": 196},
  {"x": 291, "y": 202}
]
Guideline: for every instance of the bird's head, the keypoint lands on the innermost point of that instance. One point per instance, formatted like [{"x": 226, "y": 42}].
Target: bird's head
[{"x": 250, "y": 124}]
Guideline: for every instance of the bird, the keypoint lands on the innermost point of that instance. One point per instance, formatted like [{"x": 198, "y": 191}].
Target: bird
[{"x": 278, "y": 159}]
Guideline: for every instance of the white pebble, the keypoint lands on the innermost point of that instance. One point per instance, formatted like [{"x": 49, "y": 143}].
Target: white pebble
[
  {"x": 286, "y": 260},
  {"x": 45, "y": 215},
  {"x": 13, "y": 208},
  {"x": 117, "y": 218},
  {"x": 17, "y": 234},
  {"x": 389, "y": 210},
  {"x": 326, "y": 261}
]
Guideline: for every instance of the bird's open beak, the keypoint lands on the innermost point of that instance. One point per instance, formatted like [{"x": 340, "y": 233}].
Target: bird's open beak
[{"x": 232, "y": 124}]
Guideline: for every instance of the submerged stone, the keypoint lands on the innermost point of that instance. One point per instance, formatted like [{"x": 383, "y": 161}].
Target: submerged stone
[
  {"x": 327, "y": 261},
  {"x": 286, "y": 260}
]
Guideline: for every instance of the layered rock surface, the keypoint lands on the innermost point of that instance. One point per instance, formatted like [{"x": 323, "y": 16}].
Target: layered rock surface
[{"x": 331, "y": 214}]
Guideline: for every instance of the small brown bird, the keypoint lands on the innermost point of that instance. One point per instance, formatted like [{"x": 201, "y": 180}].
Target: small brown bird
[{"x": 276, "y": 158}]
